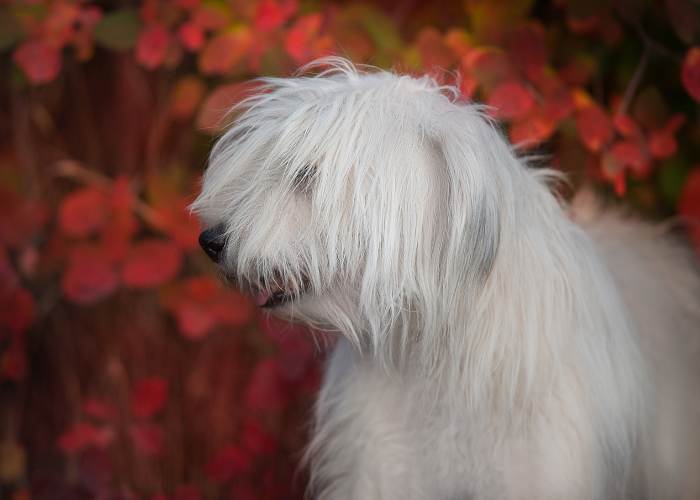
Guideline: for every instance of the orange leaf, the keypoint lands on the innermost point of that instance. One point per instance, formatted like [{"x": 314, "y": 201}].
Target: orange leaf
[
  {"x": 149, "y": 396},
  {"x": 89, "y": 278},
  {"x": 151, "y": 262},
  {"x": 459, "y": 42},
  {"x": 223, "y": 51},
  {"x": 594, "y": 126},
  {"x": 152, "y": 46},
  {"x": 185, "y": 97},
  {"x": 690, "y": 72},
  {"x": 39, "y": 61},
  {"x": 528, "y": 50},
  {"x": 511, "y": 100}
]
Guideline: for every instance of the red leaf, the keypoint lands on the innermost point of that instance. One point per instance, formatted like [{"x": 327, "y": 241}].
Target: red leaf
[
  {"x": 149, "y": 396},
  {"x": 256, "y": 439},
  {"x": 40, "y": 62},
  {"x": 152, "y": 46},
  {"x": 511, "y": 100},
  {"x": 268, "y": 16},
  {"x": 19, "y": 218},
  {"x": 298, "y": 41},
  {"x": 99, "y": 408},
  {"x": 594, "y": 126},
  {"x": 191, "y": 36},
  {"x": 531, "y": 130},
  {"x": 690, "y": 72},
  {"x": 459, "y": 42},
  {"x": 83, "y": 212},
  {"x": 489, "y": 65},
  {"x": 218, "y": 104},
  {"x": 150, "y": 263},
  {"x": 662, "y": 144},
  {"x": 267, "y": 390},
  {"x": 16, "y": 309},
  {"x": 194, "y": 320},
  {"x": 232, "y": 308},
  {"x": 243, "y": 491},
  {"x": 231, "y": 461},
  {"x": 148, "y": 438},
  {"x": 433, "y": 51},
  {"x": 199, "y": 304},
  {"x": 83, "y": 435},
  {"x": 211, "y": 16},
  {"x": 89, "y": 278},
  {"x": 96, "y": 471},
  {"x": 559, "y": 102},
  {"x": 13, "y": 362},
  {"x": 629, "y": 154},
  {"x": 528, "y": 49},
  {"x": 179, "y": 223},
  {"x": 626, "y": 126},
  {"x": 689, "y": 205},
  {"x": 187, "y": 492},
  {"x": 223, "y": 51}
]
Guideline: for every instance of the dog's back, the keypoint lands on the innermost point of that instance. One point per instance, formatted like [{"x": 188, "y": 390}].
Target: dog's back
[{"x": 664, "y": 304}]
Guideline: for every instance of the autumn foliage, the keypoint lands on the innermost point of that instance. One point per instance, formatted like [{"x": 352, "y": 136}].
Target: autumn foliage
[{"x": 127, "y": 369}]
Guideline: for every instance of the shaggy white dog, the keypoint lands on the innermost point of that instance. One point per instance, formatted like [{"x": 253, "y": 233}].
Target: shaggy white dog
[{"x": 491, "y": 348}]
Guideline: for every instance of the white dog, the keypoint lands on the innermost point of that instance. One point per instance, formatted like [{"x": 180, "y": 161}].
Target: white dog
[{"x": 491, "y": 348}]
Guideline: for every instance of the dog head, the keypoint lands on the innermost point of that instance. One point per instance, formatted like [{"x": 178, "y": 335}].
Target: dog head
[{"x": 356, "y": 201}]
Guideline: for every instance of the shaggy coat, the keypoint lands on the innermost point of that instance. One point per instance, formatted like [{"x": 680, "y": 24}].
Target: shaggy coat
[{"x": 493, "y": 346}]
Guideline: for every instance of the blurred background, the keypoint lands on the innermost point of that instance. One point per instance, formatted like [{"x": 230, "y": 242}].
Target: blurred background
[{"x": 127, "y": 371}]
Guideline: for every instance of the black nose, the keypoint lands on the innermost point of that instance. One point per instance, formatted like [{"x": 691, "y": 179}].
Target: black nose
[{"x": 212, "y": 242}]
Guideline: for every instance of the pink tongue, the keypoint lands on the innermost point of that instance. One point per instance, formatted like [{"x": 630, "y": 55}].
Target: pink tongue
[{"x": 260, "y": 297}]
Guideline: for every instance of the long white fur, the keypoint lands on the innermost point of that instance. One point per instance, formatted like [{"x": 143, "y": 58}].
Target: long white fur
[{"x": 491, "y": 348}]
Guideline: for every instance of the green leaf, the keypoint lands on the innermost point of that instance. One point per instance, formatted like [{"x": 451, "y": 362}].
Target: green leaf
[
  {"x": 11, "y": 31},
  {"x": 672, "y": 175},
  {"x": 118, "y": 30},
  {"x": 381, "y": 29}
]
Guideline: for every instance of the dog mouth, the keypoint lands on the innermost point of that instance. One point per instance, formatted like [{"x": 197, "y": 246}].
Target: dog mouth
[{"x": 274, "y": 293}]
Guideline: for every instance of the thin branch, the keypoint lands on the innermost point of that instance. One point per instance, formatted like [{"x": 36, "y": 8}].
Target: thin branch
[
  {"x": 633, "y": 85},
  {"x": 654, "y": 45}
]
